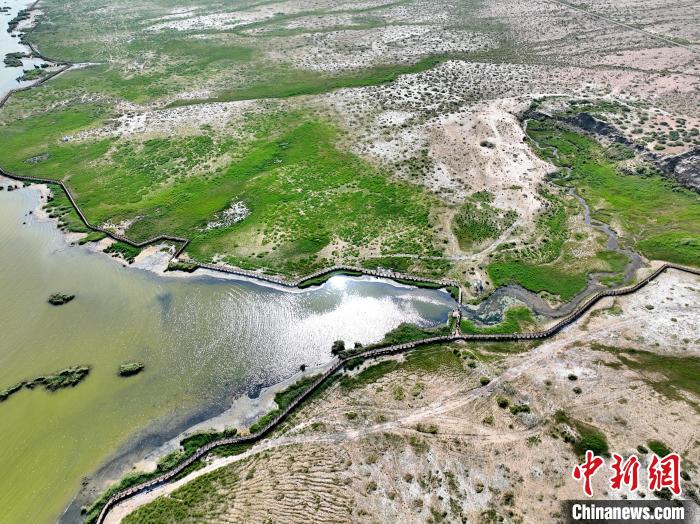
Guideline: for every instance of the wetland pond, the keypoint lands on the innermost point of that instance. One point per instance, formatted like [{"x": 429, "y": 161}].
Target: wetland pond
[
  {"x": 10, "y": 43},
  {"x": 204, "y": 340}
]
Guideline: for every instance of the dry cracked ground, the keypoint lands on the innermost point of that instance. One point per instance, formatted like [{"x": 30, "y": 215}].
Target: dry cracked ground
[{"x": 419, "y": 439}]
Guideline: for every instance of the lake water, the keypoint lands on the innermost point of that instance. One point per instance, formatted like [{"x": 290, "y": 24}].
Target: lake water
[{"x": 203, "y": 339}]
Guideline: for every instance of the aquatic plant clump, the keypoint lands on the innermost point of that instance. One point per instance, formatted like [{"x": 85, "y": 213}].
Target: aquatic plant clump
[
  {"x": 64, "y": 378},
  {"x": 58, "y": 299},
  {"x": 130, "y": 368}
]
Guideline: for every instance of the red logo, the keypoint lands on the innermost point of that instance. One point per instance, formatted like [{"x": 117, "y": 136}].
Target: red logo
[
  {"x": 665, "y": 473},
  {"x": 661, "y": 473},
  {"x": 626, "y": 472},
  {"x": 586, "y": 470}
]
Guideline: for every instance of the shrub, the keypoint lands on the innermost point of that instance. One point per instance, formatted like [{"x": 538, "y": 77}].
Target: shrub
[
  {"x": 658, "y": 447},
  {"x": 427, "y": 428},
  {"x": 520, "y": 408},
  {"x": 338, "y": 347},
  {"x": 130, "y": 368}
]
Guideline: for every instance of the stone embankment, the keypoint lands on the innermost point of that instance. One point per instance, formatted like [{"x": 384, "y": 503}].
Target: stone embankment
[{"x": 375, "y": 353}]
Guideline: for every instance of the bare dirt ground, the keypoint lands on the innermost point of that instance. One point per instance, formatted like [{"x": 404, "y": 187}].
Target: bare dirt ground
[{"x": 431, "y": 444}]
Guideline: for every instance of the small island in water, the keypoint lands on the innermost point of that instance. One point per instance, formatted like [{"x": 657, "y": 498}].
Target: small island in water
[
  {"x": 58, "y": 299},
  {"x": 130, "y": 368},
  {"x": 65, "y": 378}
]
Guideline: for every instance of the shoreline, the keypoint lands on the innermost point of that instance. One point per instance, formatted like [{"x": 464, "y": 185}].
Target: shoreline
[
  {"x": 240, "y": 404},
  {"x": 339, "y": 365},
  {"x": 24, "y": 29},
  {"x": 154, "y": 261},
  {"x": 242, "y": 410},
  {"x": 318, "y": 277}
]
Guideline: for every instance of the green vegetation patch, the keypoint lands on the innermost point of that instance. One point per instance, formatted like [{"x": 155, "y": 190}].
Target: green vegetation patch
[
  {"x": 126, "y": 251},
  {"x": 658, "y": 447},
  {"x": 538, "y": 278},
  {"x": 58, "y": 299},
  {"x": 547, "y": 264},
  {"x": 283, "y": 399},
  {"x": 284, "y": 82},
  {"x": 678, "y": 373},
  {"x": 370, "y": 374},
  {"x": 33, "y": 74},
  {"x": 428, "y": 359},
  {"x": 300, "y": 192},
  {"x": 186, "y": 267},
  {"x": 65, "y": 378},
  {"x": 204, "y": 498},
  {"x": 590, "y": 437},
  {"x": 657, "y": 216},
  {"x": 514, "y": 321},
  {"x": 59, "y": 207},
  {"x": 406, "y": 332},
  {"x": 92, "y": 236},
  {"x": 130, "y": 368},
  {"x": 317, "y": 281},
  {"x": 188, "y": 446},
  {"x": 477, "y": 221},
  {"x": 681, "y": 247}
]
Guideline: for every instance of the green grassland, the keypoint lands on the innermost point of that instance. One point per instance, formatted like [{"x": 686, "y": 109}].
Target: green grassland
[
  {"x": 424, "y": 360},
  {"x": 656, "y": 216},
  {"x": 411, "y": 332},
  {"x": 515, "y": 320},
  {"x": 310, "y": 203},
  {"x": 477, "y": 221},
  {"x": 551, "y": 264},
  {"x": 651, "y": 214},
  {"x": 232, "y": 63},
  {"x": 303, "y": 192}
]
